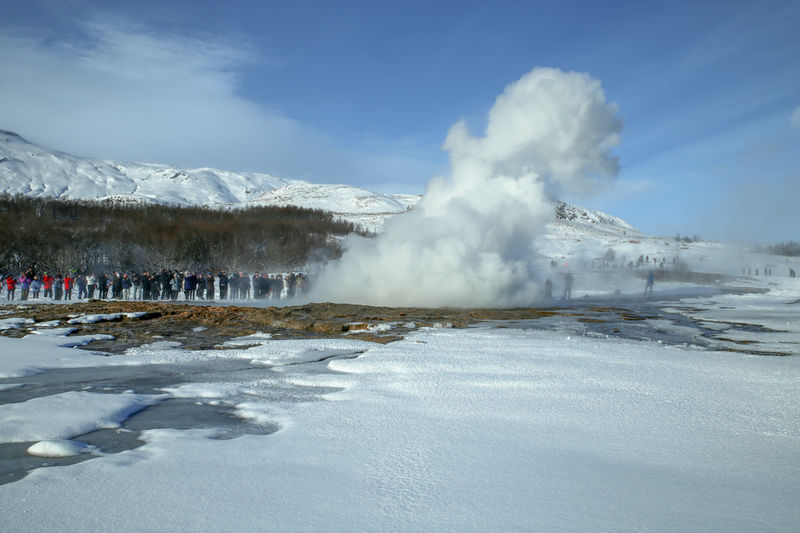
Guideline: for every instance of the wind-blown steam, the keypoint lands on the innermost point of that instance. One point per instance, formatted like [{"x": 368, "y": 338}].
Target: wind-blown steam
[{"x": 470, "y": 240}]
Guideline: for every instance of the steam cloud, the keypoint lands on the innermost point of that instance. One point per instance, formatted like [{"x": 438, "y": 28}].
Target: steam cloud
[{"x": 470, "y": 240}]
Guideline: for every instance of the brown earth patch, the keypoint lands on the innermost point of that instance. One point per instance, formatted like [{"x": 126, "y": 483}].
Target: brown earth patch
[{"x": 198, "y": 326}]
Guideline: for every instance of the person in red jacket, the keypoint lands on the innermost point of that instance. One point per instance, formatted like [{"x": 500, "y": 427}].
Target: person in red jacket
[
  {"x": 68, "y": 282},
  {"x": 47, "y": 284},
  {"x": 11, "y": 285}
]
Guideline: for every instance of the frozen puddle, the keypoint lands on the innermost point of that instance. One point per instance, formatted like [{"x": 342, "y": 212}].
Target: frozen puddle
[{"x": 189, "y": 398}]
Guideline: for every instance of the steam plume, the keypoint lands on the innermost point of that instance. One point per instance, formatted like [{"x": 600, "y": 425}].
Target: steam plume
[{"x": 470, "y": 240}]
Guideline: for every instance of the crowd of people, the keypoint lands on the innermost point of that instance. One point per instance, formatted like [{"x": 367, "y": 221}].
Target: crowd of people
[{"x": 151, "y": 285}]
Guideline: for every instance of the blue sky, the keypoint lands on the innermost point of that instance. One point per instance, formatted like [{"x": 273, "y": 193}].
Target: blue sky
[{"x": 365, "y": 92}]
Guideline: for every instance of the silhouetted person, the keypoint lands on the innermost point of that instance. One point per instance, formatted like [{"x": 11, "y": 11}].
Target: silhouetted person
[
  {"x": 649, "y": 287},
  {"x": 548, "y": 289},
  {"x": 568, "y": 286}
]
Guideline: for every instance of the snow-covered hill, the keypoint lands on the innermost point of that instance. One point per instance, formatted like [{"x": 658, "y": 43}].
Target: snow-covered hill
[
  {"x": 31, "y": 170},
  {"x": 364, "y": 208}
]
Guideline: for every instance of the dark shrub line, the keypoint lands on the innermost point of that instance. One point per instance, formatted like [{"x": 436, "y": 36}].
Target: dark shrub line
[{"x": 60, "y": 234}]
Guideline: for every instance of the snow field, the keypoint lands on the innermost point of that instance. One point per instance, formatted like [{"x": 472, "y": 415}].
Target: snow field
[{"x": 469, "y": 430}]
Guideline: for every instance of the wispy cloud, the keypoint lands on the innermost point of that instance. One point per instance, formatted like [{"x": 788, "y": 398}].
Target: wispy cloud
[
  {"x": 122, "y": 90},
  {"x": 137, "y": 53}
]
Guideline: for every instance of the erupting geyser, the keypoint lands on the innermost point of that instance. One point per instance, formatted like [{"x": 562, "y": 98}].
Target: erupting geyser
[{"x": 470, "y": 241}]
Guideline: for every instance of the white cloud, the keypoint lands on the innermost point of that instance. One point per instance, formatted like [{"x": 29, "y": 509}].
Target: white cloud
[{"x": 123, "y": 91}]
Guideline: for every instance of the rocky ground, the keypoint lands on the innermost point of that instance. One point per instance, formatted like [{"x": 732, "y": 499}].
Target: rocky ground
[
  {"x": 205, "y": 325},
  {"x": 199, "y": 326}
]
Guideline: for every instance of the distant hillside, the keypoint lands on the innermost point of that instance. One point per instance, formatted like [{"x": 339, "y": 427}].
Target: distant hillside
[{"x": 33, "y": 171}]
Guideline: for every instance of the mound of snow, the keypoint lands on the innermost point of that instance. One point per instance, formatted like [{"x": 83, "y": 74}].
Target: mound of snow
[{"x": 59, "y": 448}]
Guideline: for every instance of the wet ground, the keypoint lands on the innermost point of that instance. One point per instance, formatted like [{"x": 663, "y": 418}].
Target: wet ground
[{"x": 196, "y": 326}]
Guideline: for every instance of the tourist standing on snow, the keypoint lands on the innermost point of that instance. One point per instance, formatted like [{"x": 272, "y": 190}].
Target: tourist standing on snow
[
  {"x": 223, "y": 285},
  {"x": 568, "y": 279},
  {"x": 145, "y": 280},
  {"x": 58, "y": 286},
  {"x": 68, "y": 282},
  {"x": 200, "y": 286},
  {"x": 126, "y": 287},
  {"x": 209, "y": 286},
  {"x": 277, "y": 287},
  {"x": 137, "y": 285},
  {"x": 91, "y": 285},
  {"x": 11, "y": 287},
  {"x": 81, "y": 283},
  {"x": 24, "y": 286},
  {"x": 102, "y": 285},
  {"x": 116, "y": 286},
  {"x": 244, "y": 286},
  {"x": 233, "y": 284},
  {"x": 47, "y": 284},
  {"x": 260, "y": 285},
  {"x": 649, "y": 287},
  {"x": 36, "y": 286},
  {"x": 164, "y": 278},
  {"x": 548, "y": 289},
  {"x": 155, "y": 287},
  {"x": 175, "y": 286},
  {"x": 188, "y": 288}
]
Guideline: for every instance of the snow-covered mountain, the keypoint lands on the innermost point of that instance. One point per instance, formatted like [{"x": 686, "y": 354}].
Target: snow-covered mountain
[{"x": 30, "y": 170}]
